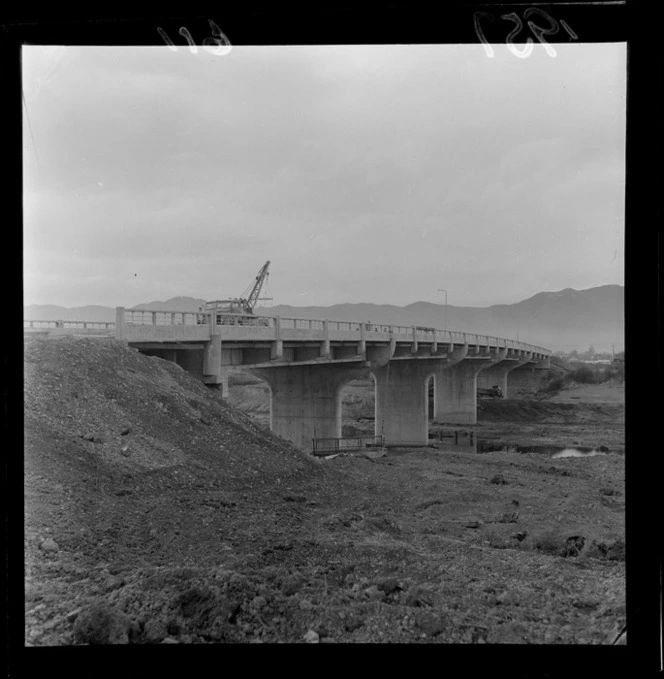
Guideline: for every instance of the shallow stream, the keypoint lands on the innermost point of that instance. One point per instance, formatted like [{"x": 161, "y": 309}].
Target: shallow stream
[{"x": 471, "y": 444}]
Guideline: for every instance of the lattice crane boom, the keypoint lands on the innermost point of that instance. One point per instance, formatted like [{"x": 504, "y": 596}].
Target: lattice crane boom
[
  {"x": 255, "y": 292},
  {"x": 246, "y": 303}
]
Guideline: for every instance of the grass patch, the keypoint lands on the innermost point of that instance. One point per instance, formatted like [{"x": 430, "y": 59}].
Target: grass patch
[
  {"x": 556, "y": 543},
  {"x": 612, "y": 550}
]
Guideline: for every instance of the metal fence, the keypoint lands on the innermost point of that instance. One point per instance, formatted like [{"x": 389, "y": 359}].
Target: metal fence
[
  {"x": 329, "y": 446},
  {"x": 457, "y": 437}
]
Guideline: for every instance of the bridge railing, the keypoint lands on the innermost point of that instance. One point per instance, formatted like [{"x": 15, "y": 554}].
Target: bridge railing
[
  {"x": 244, "y": 320},
  {"x": 85, "y": 325},
  {"x": 148, "y": 317},
  {"x": 376, "y": 327},
  {"x": 301, "y": 323},
  {"x": 399, "y": 332},
  {"x": 347, "y": 326}
]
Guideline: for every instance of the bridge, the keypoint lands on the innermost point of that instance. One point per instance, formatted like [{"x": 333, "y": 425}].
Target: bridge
[{"x": 307, "y": 362}]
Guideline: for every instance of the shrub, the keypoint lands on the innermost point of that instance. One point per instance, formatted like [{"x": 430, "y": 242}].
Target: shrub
[
  {"x": 549, "y": 543},
  {"x": 556, "y": 384},
  {"x": 611, "y": 551},
  {"x": 497, "y": 541},
  {"x": 616, "y": 373},
  {"x": 584, "y": 375}
]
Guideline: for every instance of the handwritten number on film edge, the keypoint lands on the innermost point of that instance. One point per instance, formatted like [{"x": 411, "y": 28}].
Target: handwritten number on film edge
[
  {"x": 218, "y": 44},
  {"x": 478, "y": 29},
  {"x": 527, "y": 48},
  {"x": 537, "y": 31}
]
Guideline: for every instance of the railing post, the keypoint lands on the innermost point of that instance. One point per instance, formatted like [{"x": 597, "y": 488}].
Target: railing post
[
  {"x": 325, "y": 344},
  {"x": 362, "y": 344},
  {"x": 277, "y": 350},
  {"x": 120, "y": 330},
  {"x": 413, "y": 346}
]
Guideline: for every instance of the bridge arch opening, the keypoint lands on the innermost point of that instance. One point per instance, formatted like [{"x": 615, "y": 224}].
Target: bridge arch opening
[
  {"x": 250, "y": 394},
  {"x": 358, "y": 406}
]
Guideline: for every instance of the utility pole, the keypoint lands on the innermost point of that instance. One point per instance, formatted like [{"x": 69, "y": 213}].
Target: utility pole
[{"x": 445, "y": 291}]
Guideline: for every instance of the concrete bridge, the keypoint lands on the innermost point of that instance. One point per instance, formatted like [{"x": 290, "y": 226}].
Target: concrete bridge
[{"x": 306, "y": 363}]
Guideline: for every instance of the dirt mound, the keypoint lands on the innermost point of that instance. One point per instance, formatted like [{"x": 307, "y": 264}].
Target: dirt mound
[
  {"x": 130, "y": 459},
  {"x": 108, "y": 409}
]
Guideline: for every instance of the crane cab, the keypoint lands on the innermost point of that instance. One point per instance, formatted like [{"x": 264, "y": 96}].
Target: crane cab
[{"x": 240, "y": 310}]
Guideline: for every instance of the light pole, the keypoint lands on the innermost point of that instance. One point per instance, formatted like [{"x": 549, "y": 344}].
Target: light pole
[{"x": 445, "y": 291}]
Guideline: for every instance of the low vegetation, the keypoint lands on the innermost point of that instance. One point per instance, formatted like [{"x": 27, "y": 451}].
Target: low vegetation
[{"x": 582, "y": 373}]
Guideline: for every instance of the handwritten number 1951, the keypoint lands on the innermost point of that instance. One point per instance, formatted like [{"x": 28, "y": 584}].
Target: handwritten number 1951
[{"x": 538, "y": 31}]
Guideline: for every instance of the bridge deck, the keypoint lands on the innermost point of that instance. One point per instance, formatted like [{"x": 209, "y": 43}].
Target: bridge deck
[{"x": 139, "y": 326}]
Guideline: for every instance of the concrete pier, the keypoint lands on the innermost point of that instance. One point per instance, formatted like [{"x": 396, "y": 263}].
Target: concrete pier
[
  {"x": 497, "y": 374},
  {"x": 212, "y": 363},
  {"x": 401, "y": 411},
  {"x": 455, "y": 399},
  {"x": 305, "y": 400}
]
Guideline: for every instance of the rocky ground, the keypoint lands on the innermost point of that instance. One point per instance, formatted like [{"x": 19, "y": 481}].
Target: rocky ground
[{"x": 156, "y": 513}]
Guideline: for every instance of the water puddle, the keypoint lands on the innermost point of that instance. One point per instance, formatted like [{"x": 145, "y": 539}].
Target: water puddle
[
  {"x": 549, "y": 450},
  {"x": 575, "y": 452},
  {"x": 463, "y": 441}
]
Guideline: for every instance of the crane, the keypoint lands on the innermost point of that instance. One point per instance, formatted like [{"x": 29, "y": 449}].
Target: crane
[
  {"x": 245, "y": 304},
  {"x": 253, "y": 296}
]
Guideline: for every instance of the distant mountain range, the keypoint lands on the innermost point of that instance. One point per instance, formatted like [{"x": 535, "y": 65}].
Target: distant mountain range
[{"x": 562, "y": 321}]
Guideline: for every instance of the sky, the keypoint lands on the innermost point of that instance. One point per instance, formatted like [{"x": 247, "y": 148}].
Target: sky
[{"x": 378, "y": 174}]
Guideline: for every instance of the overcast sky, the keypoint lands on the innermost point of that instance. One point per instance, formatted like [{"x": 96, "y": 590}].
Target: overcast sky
[{"x": 365, "y": 174}]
